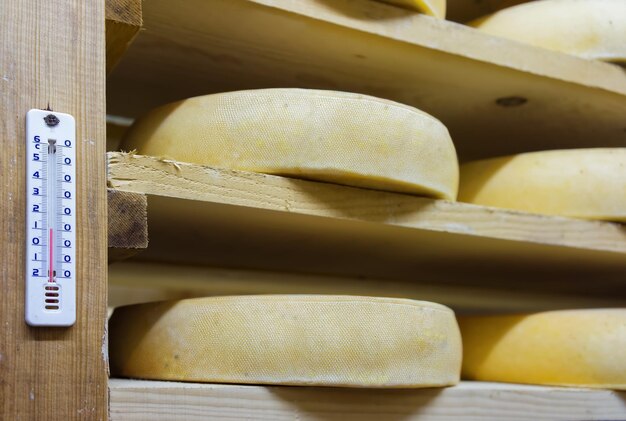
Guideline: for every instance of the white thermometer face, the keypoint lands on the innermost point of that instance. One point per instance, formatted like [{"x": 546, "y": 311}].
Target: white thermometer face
[{"x": 50, "y": 219}]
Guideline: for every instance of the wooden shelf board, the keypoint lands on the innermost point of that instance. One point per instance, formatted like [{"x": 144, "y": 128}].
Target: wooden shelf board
[
  {"x": 208, "y": 216},
  {"x": 123, "y": 21},
  {"x": 451, "y": 71},
  {"x": 135, "y": 399},
  {"x": 133, "y": 282}
]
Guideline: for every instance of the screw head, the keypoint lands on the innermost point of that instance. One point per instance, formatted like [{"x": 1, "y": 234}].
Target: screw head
[{"x": 51, "y": 120}]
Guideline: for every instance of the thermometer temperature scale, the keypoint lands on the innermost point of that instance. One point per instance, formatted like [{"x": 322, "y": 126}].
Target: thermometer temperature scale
[{"x": 50, "y": 219}]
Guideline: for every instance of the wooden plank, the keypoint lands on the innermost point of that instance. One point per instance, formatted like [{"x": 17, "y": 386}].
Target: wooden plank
[
  {"x": 123, "y": 21},
  {"x": 127, "y": 224},
  {"x": 255, "y": 221},
  {"x": 133, "y": 399},
  {"x": 52, "y": 54},
  {"x": 150, "y": 175},
  {"x": 140, "y": 282},
  {"x": 451, "y": 71}
]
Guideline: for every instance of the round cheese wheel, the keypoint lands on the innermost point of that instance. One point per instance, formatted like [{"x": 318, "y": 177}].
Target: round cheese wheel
[
  {"x": 320, "y": 135},
  {"x": 583, "y": 348},
  {"x": 594, "y": 29},
  {"x": 436, "y": 8},
  {"x": 289, "y": 340},
  {"x": 582, "y": 183}
]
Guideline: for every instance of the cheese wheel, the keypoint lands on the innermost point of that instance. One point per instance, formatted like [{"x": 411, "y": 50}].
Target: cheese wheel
[
  {"x": 436, "y": 8},
  {"x": 594, "y": 29},
  {"x": 581, "y": 183},
  {"x": 321, "y": 135},
  {"x": 289, "y": 340},
  {"x": 583, "y": 348}
]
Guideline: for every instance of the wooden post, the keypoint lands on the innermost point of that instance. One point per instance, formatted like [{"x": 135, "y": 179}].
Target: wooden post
[{"x": 52, "y": 53}]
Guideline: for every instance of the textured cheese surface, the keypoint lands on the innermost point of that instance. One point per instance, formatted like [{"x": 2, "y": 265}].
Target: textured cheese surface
[
  {"x": 291, "y": 340},
  {"x": 582, "y": 183},
  {"x": 594, "y": 29},
  {"x": 567, "y": 348},
  {"x": 436, "y": 8},
  {"x": 321, "y": 135}
]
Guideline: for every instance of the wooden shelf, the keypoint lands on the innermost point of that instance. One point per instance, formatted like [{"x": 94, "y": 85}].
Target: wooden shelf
[
  {"x": 207, "y": 216},
  {"x": 449, "y": 70},
  {"x": 133, "y": 399}
]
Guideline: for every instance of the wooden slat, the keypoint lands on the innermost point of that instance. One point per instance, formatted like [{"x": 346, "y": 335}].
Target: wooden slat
[
  {"x": 133, "y": 399},
  {"x": 454, "y": 72},
  {"x": 127, "y": 224},
  {"x": 139, "y": 282},
  {"x": 52, "y": 53},
  {"x": 224, "y": 218},
  {"x": 123, "y": 21}
]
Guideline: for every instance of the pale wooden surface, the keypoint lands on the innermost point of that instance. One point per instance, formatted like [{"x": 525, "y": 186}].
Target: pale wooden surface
[
  {"x": 207, "y": 216},
  {"x": 171, "y": 401},
  {"x": 123, "y": 21},
  {"x": 138, "y": 282},
  {"x": 454, "y": 72},
  {"x": 52, "y": 54}
]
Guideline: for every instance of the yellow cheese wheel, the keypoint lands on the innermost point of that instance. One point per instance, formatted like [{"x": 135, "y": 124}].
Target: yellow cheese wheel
[
  {"x": 436, "y": 8},
  {"x": 583, "y": 348},
  {"x": 594, "y": 29},
  {"x": 331, "y": 136},
  {"x": 290, "y": 340},
  {"x": 582, "y": 183}
]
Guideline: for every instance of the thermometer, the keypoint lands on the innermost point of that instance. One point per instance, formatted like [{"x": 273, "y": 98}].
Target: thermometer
[{"x": 50, "y": 219}]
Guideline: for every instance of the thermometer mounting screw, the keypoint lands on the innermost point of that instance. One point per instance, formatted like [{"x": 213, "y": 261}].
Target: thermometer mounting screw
[{"x": 51, "y": 120}]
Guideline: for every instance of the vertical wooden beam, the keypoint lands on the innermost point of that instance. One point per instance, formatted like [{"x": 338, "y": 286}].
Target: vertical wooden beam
[{"x": 52, "y": 53}]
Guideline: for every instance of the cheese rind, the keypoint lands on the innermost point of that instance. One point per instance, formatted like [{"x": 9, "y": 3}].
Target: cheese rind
[
  {"x": 583, "y": 348},
  {"x": 593, "y": 29},
  {"x": 330, "y": 136},
  {"x": 290, "y": 340},
  {"x": 581, "y": 183},
  {"x": 436, "y": 8}
]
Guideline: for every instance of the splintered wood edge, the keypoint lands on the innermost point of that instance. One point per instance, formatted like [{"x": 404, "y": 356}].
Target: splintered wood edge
[
  {"x": 162, "y": 177},
  {"x": 123, "y": 21},
  {"x": 132, "y": 399},
  {"x": 127, "y": 223}
]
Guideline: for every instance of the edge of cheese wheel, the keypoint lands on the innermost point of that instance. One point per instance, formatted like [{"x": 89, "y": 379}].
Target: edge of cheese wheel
[
  {"x": 289, "y": 340},
  {"x": 435, "y": 8},
  {"x": 593, "y": 29},
  {"x": 582, "y": 348},
  {"x": 330, "y": 136},
  {"x": 580, "y": 183}
]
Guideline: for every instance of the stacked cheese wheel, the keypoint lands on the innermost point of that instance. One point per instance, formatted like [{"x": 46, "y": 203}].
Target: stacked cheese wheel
[
  {"x": 436, "y": 8},
  {"x": 593, "y": 29},
  {"x": 583, "y": 348},
  {"x": 581, "y": 183},
  {"x": 290, "y": 340},
  {"x": 330, "y": 136}
]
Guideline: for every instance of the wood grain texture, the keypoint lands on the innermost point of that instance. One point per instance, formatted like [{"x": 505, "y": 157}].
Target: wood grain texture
[
  {"x": 127, "y": 224},
  {"x": 470, "y": 401},
  {"x": 207, "y": 216},
  {"x": 451, "y": 71},
  {"x": 133, "y": 282},
  {"x": 127, "y": 219},
  {"x": 52, "y": 54},
  {"x": 123, "y": 21},
  {"x": 145, "y": 174}
]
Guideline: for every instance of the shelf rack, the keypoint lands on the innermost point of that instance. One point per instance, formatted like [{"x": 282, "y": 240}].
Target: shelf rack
[{"x": 496, "y": 97}]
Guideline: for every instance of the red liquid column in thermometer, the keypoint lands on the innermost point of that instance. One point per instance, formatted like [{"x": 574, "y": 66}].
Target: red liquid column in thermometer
[{"x": 52, "y": 195}]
